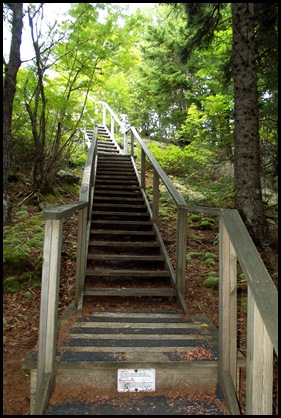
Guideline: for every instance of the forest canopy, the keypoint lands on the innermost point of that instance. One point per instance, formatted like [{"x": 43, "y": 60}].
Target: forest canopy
[{"x": 167, "y": 68}]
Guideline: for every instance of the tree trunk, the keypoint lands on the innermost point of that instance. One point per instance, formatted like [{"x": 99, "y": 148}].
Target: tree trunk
[
  {"x": 9, "y": 89},
  {"x": 247, "y": 170}
]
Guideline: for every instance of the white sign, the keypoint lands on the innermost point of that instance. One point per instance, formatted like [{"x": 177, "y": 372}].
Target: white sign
[{"x": 136, "y": 380}]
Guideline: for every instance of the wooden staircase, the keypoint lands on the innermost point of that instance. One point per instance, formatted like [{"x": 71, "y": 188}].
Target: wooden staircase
[
  {"x": 124, "y": 256},
  {"x": 126, "y": 260},
  {"x": 129, "y": 313}
]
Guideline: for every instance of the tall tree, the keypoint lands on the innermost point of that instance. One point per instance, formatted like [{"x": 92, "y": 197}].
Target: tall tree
[
  {"x": 247, "y": 167},
  {"x": 205, "y": 19},
  {"x": 9, "y": 89}
]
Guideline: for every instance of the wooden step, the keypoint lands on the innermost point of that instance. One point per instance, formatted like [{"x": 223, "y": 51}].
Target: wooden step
[
  {"x": 121, "y": 235},
  {"x": 130, "y": 292},
  {"x": 173, "y": 344},
  {"x": 119, "y": 199},
  {"x": 103, "y": 192},
  {"x": 116, "y": 176},
  {"x": 127, "y": 258},
  {"x": 116, "y": 182},
  {"x": 127, "y": 273},
  {"x": 103, "y": 213},
  {"x": 118, "y": 207},
  {"x": 122, "y": 225},
  {"x": 127, "y": 247}
]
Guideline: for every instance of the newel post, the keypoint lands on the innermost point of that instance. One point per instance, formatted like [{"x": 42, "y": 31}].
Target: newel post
[
  {"x": 48, "y": 313},
  {"x": 227, "y": 310}
]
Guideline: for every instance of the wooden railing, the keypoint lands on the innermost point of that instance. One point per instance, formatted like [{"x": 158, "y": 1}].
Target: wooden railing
[
  {"x": 236, "y": 246},
  {"x": 51, "y": 277}
]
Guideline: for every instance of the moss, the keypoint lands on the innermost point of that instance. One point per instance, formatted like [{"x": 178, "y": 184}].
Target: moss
[
  {"x": 194, "y": 218},
  {"x": 193, "y": 254},
  {"x": 14, "y": 261},
  {"x": 212, "y": 282},
  {"x": 13, "y": 284},
  {"x": 210, "y": 262},
  {"x": 210, "y": 255},
  {"x": 21, "y": 214},
  {"x": 204, "y": 225}
]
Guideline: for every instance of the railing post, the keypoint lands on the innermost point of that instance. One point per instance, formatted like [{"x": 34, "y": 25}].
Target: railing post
[
  {"x": 155, "y": 202},
  {"x": 48, "y": 314},
  {"x": 143, "y": 163},
  {"x": 125, "y": 142},
  {"x": 181, "y": 250},
  {"x": 132, "y": 144},
  {"x": 81, "y": 254},
  {"x": 112, "y": 127},
  {"x": 259, "y": 363},
  {"x": 104, "y": 115},
  {"x": 227, "y": 310}
]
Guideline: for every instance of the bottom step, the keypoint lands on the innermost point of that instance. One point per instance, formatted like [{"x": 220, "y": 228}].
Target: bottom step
[{"x": 205, "y": 403}]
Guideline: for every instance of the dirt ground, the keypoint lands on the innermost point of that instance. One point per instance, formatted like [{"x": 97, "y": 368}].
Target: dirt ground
[{"x": 21, "y": 313}]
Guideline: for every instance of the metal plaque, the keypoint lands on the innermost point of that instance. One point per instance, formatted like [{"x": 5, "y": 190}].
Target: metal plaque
[{"x": 136, "y": 380}]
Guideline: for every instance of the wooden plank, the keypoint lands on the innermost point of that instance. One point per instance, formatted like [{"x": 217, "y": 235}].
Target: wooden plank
[
  {"x": 259, "y": 363},
  {"x": 149, "y": 315},
  {"x": 169, "y": 377},
  {"x": 155, "y": 352},
  {"x": 143, "y": 170},
  {"x": 81, "y": 254},
  {"x": 228, "y": 306},
  {"x": 43, "y": 394},
  {"x": 126, "y": 273},
  {"x": 156, "y": 194},
  {"x": 229, "y": 392},
  {"x": 133, "y": 244},
  {"x": 181, "y": 250},
  {"x": 49, "y": 299},
  {"x": 60, "y": 212},
  {"x": 125, "y": 257},
  {"x": 133, "y": 336},
  {"x": 258, "y": 278},
  {"x": 129, "y": 292},
  {"x": 139, "y": 325},
  {"x": 87, "y": 179}
]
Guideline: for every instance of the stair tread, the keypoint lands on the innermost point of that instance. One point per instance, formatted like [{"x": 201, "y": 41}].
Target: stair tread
[
  {"x": 127, "y": 272},
  {"x": 124, "y": 243},
  {"x": 126, "y": 257},
  {"x": 169, "y": 292}
]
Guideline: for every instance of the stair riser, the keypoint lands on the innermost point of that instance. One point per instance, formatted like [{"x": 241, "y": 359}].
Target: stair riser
[
  {"x": 119, "y": 208},
  {"x": 125, "y": 237},
  {"x": 107, "y": 249},
  {"x": 176, "y": 378},
  {"x": 121, "y": 217},
  {"x": 123, "y": 226},
  {"x": 127, "y": 263}
]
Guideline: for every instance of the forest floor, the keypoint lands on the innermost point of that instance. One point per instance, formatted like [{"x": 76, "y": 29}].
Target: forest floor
[{"x": 21, "y": 313}]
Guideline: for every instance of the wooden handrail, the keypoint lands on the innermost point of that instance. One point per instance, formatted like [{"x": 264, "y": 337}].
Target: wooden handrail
[
  {"x": 235, "y": 246},
  {"x": 51, "y": 277},
  {"x": 175, "y": 194}
]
